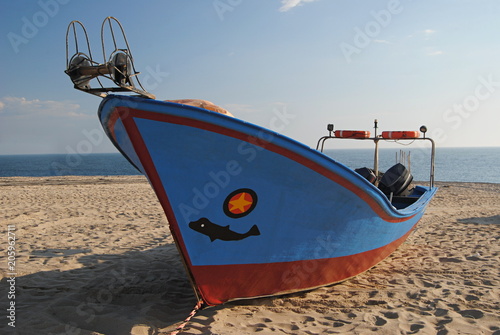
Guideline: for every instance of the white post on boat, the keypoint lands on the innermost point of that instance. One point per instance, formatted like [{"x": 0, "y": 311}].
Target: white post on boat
[
  {"x": 433, "y": 155},
  {"x": 423, "y": 129},
  {"x": 409, "y": 161},
  {"x": 375, "y": 158}
]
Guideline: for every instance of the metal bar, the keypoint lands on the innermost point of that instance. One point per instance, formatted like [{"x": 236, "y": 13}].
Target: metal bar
[
  {"x": 433, "y": 155},
  {"x": 323, "y": 144},
  {"x": 112, "y": 34},
  {"x": 377, "y": 139},
  {"x": 409, "y": 161},
  {"x": 76, "y": 38},
  {"x": 375, "y": 159},
  {"x": 319, "y": 141},
  {"x": 95, "y": 70},
  {"x": 127, "y": 51}
]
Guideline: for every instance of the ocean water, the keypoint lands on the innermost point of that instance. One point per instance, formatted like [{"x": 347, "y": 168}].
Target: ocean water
[
  {"x": 452, "y": 164},
  {"x": 65, "y": 165}
]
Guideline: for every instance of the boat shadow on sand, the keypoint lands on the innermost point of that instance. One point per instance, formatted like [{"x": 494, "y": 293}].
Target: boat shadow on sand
[
  {"x": 135, "y": 292},
  {"x": 495, "y": 219}
]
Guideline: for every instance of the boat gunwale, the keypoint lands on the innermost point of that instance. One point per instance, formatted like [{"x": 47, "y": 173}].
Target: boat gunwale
[
  {"x": 277, "y": 140},
  {"x": 126, "y": 109}
]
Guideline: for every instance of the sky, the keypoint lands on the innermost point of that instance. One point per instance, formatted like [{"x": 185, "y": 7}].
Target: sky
[{"x": 290, "y": 65}]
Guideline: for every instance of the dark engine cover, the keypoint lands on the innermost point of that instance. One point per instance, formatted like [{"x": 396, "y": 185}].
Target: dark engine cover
[{"x": 395, "y": 180}]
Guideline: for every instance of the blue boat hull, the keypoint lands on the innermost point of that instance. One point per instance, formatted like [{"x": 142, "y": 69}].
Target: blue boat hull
[{"x": 255, "y": 213}]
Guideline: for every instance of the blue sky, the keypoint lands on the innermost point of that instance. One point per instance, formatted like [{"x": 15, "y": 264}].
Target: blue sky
[{"x": 303, "y": 63}]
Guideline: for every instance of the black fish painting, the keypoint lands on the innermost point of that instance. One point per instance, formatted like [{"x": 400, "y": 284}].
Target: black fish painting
[{"x": 214, "y": 231}]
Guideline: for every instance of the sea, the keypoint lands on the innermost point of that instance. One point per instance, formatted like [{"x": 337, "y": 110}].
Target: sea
[{"x": 451, "y": 164}]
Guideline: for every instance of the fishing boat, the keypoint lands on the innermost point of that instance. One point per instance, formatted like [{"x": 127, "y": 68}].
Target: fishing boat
[{"x": 253, "y": 212}]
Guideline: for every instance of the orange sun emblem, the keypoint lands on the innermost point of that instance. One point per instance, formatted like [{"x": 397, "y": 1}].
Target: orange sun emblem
[{"x": 240, "y": 203}]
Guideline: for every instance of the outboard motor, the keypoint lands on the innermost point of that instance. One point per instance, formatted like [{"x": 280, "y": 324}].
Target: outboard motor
[
  {"x": 396, "y": 180},
  {"x": 367, "y": 173}
]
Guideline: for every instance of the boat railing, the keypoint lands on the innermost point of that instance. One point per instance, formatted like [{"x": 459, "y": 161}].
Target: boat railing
[
  {"x": 119, "y": 67},
  {"x": 397, "y": 136}
]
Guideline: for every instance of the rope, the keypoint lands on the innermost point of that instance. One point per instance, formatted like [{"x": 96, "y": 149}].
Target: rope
[{"x": 185, "y": 322}]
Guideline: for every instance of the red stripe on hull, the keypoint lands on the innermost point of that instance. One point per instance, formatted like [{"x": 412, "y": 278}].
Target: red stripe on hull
[
  {"x": 221, "y": 283},
  {"x": 150, "y": 169},
  {"x": 126, "y": 112}
]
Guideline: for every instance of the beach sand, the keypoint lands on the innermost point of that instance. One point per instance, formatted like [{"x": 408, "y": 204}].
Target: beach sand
[{"x": 94, "y": 256}]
